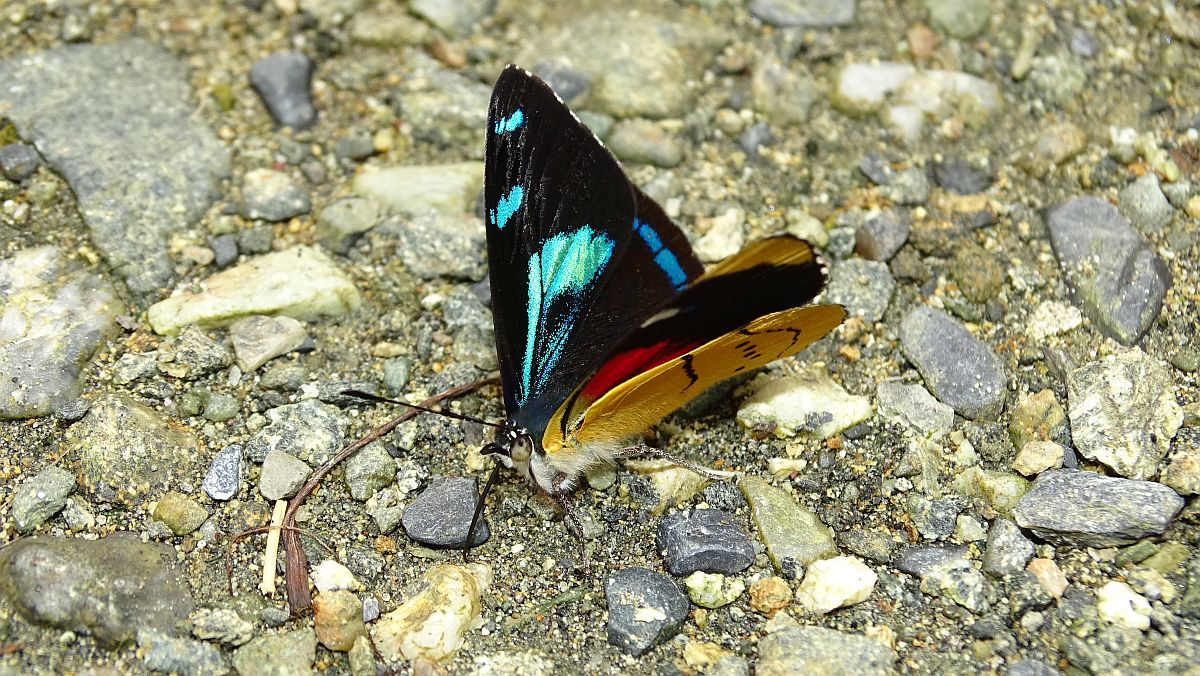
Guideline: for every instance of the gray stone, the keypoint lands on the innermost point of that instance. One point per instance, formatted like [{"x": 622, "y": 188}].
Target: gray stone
[
  {"x": 882, "y": 235},
  {"x": 961, "y": 19},
  {"x": 282, "y": 475},
  {"x": 258, "y": 339},
  {"x": 1085, "y": 509},
  {"x": 370, "y": 470},
  {"x": 959, "y": 369},
  {"x": 125, "y": 448},
  {"x": 707, "y": 540},
  {"x": 958, "y": 175},
  {"x": 815, "y": 13},
  {"x": 185, "y": 656},
  {"x": 865, "y": 287},
  {"x": 354, "y": 147},
  {"x": 221, "y": 407},
  {"x": 301, "y": 283},
  {"x": 443, "y": 107},
  {"x": 1031, "y": 668},
  {"x": 310, "y": 430},
  {"x": 225, "y": 249},
  {"x": 441, "y": 514},
  {"x": 224, "y": 476},
  {"x": 645, "y": 608},
  {"x": 288, "y": 654},
  {"x": 756, "y": 136},
  {"x": 1114, "y": 275},
  {"x": 282, "y": 80},
  {"x": 412, "y": 190},
  {"x": 471, "y": 325},
  {"x": 53, "y": 318},
  {"x": 340, "y": 223},
  {"x": 455, "y": 18},
  {"x": 641, "y": 141},
  {"x": 914, "y": 407},
  {"x": 139, "y": 161},
  {"x": 919, "y": 560},
  {"x": 271, "y": 195},
  {"x": 959, "y": 582},
  {"x": 106, "y": 588},
  {"x": 1145, "y": 205},
  {"x": 782, "y": 95},
  {"x": 1007, "y": 550},
  {"x": 433, "y": 246},
  {"x": 794, "y": 536},
  {"x": 386, "y": 509},
  {"x": 40, "y": 497},
  {"x": 908, "y": 187},
  {"x": 1123, "y": 412},
  {"x": 1026, "y": 593},
  {"x": 19, "y": 161},
  {"x": 222, "y": 625},
  {"x": 817, "y": 650},
  {"x": 193, "y": 354},
  {"x": 134, "y": 366},
  {"x": 935, "y": 518}
]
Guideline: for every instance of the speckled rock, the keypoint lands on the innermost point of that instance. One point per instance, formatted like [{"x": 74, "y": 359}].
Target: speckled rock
[
  {"x": 165, "y": 653},
  {"x": 433, "y": 246},
  {"x": 882, "y": 235},
  {"x": 193, "y": 354},
  {"x": 301, "y": 283},
  {"x": 1123, "y": 412},
  {"x": 1007, "y": 550},
  {"x": 1145, "y": 205},
  {"x": 1079, "y": 508},
  {"x": 272, "y": 195},
  {"x": 441, "y": 514},
  {"x": 958, "y": 581},
  {"x": 282, "y": 79},
  {"x": 959, "y": 369},
  {"x": 221, "y": 625},
  {"x": 286, "y": 654},
  {"x": 433, "y": 623},
  {"x": 1183, "y": 474},
  {"x": 713, "y": 590},
  {"x": 865, "y": 287},
  {"x": 1115, "y": 277},
  {"x": 106, "y": 587},
  {"x": 1038, "y": 417},
  {"x": 769, "y": 595},
  {"x": 454, "y": 18},
  {"x": 53, "y": 318},
  {"x": 794, "y": 536},
  {"x": 310, "y": 430},
  {"x": 258, "y": 339},
  {"x": 783, "y": 95},
  {"x": 125, "y": 448},
  {"x": 707, "y": 540},
  {"x": 224, "y": 475},
  {"x": 645, "y": 608},
  {"x": 338, "y": 619},
  {"x": 40, "y": 497},
  {"x": 959, "y": 18},
  {"x": 369, "y": 470},
  {"x": 810, "y": 403},
  {"x": 644, "y": 142},
  {"x": 816, "y": 650},
  {"x": 914, "y": 407}
]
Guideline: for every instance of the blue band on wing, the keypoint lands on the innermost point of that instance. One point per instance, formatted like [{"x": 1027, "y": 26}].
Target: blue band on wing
[
  {"x": 510, "y": 123},
  {"x": 507, "y": 206},
  {"x": 663, "y": 256}
]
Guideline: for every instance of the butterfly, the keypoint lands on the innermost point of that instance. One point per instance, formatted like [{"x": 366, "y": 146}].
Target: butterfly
[{"x": 605, "y": 320}]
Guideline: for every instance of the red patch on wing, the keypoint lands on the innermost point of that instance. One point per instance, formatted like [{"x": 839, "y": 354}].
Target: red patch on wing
[{"x": 627, "y": 364}]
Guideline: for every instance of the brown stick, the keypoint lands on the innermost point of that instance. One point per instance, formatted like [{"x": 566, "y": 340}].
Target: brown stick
[{"x": 296, "y": 564}]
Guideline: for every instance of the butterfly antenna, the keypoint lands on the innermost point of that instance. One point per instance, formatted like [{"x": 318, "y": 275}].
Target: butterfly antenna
[
  {"x": 449, "y": 414},
  {"x": 487, "y": 488}
]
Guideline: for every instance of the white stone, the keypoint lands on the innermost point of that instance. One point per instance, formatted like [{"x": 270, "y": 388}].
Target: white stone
[
  {"x": 1120, "y": 605},
  {"x": 410, "y": 190},
  {"x": 724, "y": 238},
  {"x": 835, "y": 583},
  {"x": 862, "y": 87},
  {"x": 808, "y": 403},
  {"x": 434, "y": 623},
  {"x": 258, "y": 339},
  {"x": 1052, "y": 318},
  {"x": 1037, "y": 456},
  {"x": 330, "y": 576}
]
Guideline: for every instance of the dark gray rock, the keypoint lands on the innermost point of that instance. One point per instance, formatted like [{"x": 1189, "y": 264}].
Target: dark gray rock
[
  {"x": 40, "y": 497},
  {"x": 1085, "y": 509},
  {"x": 224, "y": 475},
  {"x": 1025, "y": 593},
  {"x": 1114, "y": 275},
  {"x": 882, "y": 235},
  {"x": 918, "y": 560},
  {"x": 441, "y": 514},
  {"x": 816, "y": 650},
  {"x": 959, "y": 369},
  {"x": 935, "y": 518},
  {"x": 804, "y": 12},
  {"x": 117, "y": 120},
  {"x": 645, "y": 608},
  {"x": 107, "y": 588},
  {"x": 708, "y": 540},
  {"x": 959, "y": 176},
  {"x": 225, "y": 249},
  {"x": 19, "y": 161},
  {"x": 865, "y": 287},
  {"x": 282, "y": 81},
  {"x": 1007, "y": 550},
  {"x": 185, "y": 656},
  {"x": 724, "y": 495}
]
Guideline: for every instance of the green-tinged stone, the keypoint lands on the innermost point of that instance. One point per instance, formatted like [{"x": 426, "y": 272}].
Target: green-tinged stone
[
  {"x": 1136, "y": 553},
  {"x": 192, "y": 402},
  {"x": 1168, "y": 558},
  {"x": 412, "y": 190},
  {"x": 1037, "y": 417},
  {"x": 1001, "y": 490},
  {"x": 221, "y": 407},
  {"x": 278, "y": 654},
  {"x": 222, "y": 93},
  {"x": 370, "y": 470},
  {"x": 713, "y": 590},
  {"x": 180, "y": 513},
  {"x": 793, "y": 535}
]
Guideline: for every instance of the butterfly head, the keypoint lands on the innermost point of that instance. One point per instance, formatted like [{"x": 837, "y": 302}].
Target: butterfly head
[{"x": 515, "y": 448}]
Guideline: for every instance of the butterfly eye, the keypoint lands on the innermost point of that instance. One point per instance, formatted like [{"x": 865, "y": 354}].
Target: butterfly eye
[{"x": 522, "y": 448}]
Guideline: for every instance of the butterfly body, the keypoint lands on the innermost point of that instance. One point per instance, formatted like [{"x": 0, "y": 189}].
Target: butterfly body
[{"x": 606, "y": 322}]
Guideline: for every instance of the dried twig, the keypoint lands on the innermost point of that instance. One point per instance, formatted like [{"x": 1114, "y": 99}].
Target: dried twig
[{"x": 267, "y": 586}]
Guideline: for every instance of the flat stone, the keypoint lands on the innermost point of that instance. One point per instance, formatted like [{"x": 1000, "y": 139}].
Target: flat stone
[
  {"x": 810, "y": 403},
  {"x": 301, "y": 283},
  {"x": 441, "y": 514},
  {"x": 922, "y": 560},
  {"x": 53, "y": 318},
  {"x": 41, "y": 496},
  {"x": 707, "y": 540},
  {"x": 957, "y": 581},
  {"x": 807, "y": 13},
  {"x": 414, "y": 190},
  {"x": 288, "y": 653},
  {"x": 1077, "y": 508},
  {"x": 835, "y": 583},
  {"x": 126, "y": 449},
  {"x": 273, "y": 196},
  {"x": 643, "y": 142},
  {"x": 107, "y": 587},
  {"x": 865, "y": 287},
  {"x": 1007, "y": 550},
  {"x": 193, "y": 354},
  {"x": 959, "y": 369},
  {"x": 310, "y": 430},
  {"x": 816, "y": 650},
  {"x": 282, "y": 475},
  {"x": 166, "y": 653},
  {"x": 434, "y": 246},
  {"x": 340, "y": 223},
  {"x": 914, "y": 407},
  {"x": 140, "y": 162},
  {"x": 258, "y": 339},
  {"x": 434, "y": 623},
  {"x": 282, "y": 80},
  {"x": 1114, "y": 275},
  {"x": 794, "y": 536},
  {"x": 959, "y": 176},
  {"x": 645, "y": 608},
  {"x": 935, "y": 518},
  {"x": 1036, "y": 457},
  {"x": 455, "y": 19},
  {"x": 180, "y": 513},
  {"x": 1123, "y": 412}
]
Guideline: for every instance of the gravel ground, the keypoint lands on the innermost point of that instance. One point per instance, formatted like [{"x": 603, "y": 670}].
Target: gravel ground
[{"x": 214, "y": 217}]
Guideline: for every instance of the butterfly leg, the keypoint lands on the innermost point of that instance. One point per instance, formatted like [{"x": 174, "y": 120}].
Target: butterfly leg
[
  {"x": 574, "y": 523},
  {"x": 642, "y": 449}
]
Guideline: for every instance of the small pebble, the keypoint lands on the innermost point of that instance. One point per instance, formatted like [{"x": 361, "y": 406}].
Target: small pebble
[
  {"x": 282, "y": 79},
  {"x": 770, "y": 595},
  {"x": 645, "y": 608},
  {"x": 441, "y": 514}
]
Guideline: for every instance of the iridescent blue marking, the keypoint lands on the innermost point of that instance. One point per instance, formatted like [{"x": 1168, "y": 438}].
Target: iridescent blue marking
[
  {"x": 510, "y": 123},
  {"x": 564, "y": 267},
  {"x": 506, "y": 207},
  {"x": 666, "y": 260}
]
